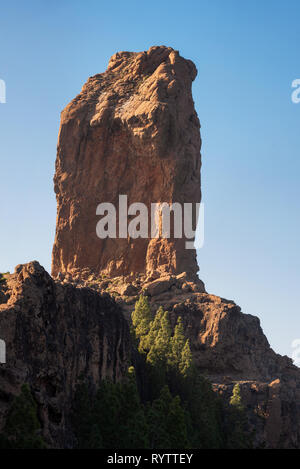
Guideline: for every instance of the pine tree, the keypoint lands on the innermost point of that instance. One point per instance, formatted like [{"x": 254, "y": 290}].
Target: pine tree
[
  {"x": 86, "y": 430},
  {"x": 167, "y": 425},
  {"x": 22, "y": 429},
  {"x": 106, "y": 412},
  {"x": 204, "y": 410},
  {"x": 147, "y": 340},
  {"x": 133, "y": 427},
  {"x": 141, "y": 320},
  {"x": 236, "y": 398},
  {"x": 177, "y": 425},
  {"x": 158, "y": 345},
  {"x": 159, "y": 339},
  {"x": 156, "y": 417},
  {"x": 237, "y": 432},
  {"x": 186, "y": 360},
  {"x": 194, "y": 418},
  {"x": 177, "y": 344}
]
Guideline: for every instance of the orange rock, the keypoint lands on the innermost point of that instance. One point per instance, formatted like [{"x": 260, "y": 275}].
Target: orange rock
[{"x": 132, "y": 130}]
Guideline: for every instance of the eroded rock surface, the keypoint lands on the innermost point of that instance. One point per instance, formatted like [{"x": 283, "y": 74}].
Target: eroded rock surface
[
  {"x": 133, "y": 131},
  {"x": 55, "y": 333}
]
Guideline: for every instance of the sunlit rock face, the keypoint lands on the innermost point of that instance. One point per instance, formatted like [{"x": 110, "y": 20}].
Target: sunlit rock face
[
  {"x": 133, "y": 130},
  {"x": 55, "y": 334}
]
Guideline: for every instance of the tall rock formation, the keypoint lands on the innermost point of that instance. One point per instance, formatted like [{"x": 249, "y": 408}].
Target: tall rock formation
[
  {"x": 133, "y": 131},
  {"x": 55, "y": 334}
]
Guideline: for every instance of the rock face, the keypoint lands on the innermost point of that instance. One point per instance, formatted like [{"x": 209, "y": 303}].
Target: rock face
[
  {"x": 230, "y": 347},
  {"x": 133, "y": 131},
  {"x": 54, "y": 334}
]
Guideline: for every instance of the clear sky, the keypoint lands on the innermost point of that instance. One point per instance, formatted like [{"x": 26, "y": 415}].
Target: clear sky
[{"x": 247, "y": 55}]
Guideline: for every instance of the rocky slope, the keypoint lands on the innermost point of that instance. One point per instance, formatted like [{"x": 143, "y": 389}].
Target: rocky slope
[
  {"x": 57, "y": 331},
  {"x": 229, "y": 347},
  {"x": 132, "y": 131},
  {"x": 54, "y": 334}
]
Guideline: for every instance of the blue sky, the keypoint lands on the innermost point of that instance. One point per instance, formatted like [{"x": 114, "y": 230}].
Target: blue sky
[{"x": 246, "y": 55}]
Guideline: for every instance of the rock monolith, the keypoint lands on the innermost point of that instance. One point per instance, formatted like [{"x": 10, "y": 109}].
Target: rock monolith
[{"x": 133, "y": 130}]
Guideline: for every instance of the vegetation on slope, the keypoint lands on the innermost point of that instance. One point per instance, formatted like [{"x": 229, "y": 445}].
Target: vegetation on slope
[
  {"x": 22, "y": 429},
  {"x": 167, "y": 404}
]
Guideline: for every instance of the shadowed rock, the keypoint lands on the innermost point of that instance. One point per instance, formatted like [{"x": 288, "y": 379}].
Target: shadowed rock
[{"x": 55, "y": 334}]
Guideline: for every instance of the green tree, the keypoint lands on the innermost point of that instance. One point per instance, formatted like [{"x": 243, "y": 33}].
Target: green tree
[
  {"x": 156, "y": 346},
  {"x": 180, "y": 362},
  {"x": 133, "y": 428},
  {"x": 86, "y": 429},
  {"x": 205, "y": 412},
  {"x": 141, "y": 319},
  {"x": 22, "y": 429},
  {"x": 106, "y": 411},
  {"x": 186, "y": 360},
  {"x": 147, "y": 341},
  {"x": 113, "y": 418},
  {"x": 177, "y": 344},
  {"x": 236, "y": 398},
  {"x": 159, "y": 339},
  {"x": 177, "y": 425},
  {"x": 166, "y": 420},
  {"x": 156, "y": 413},
  {"x": 181, "y": 409},
  {"x": 238, "y": 435}
]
